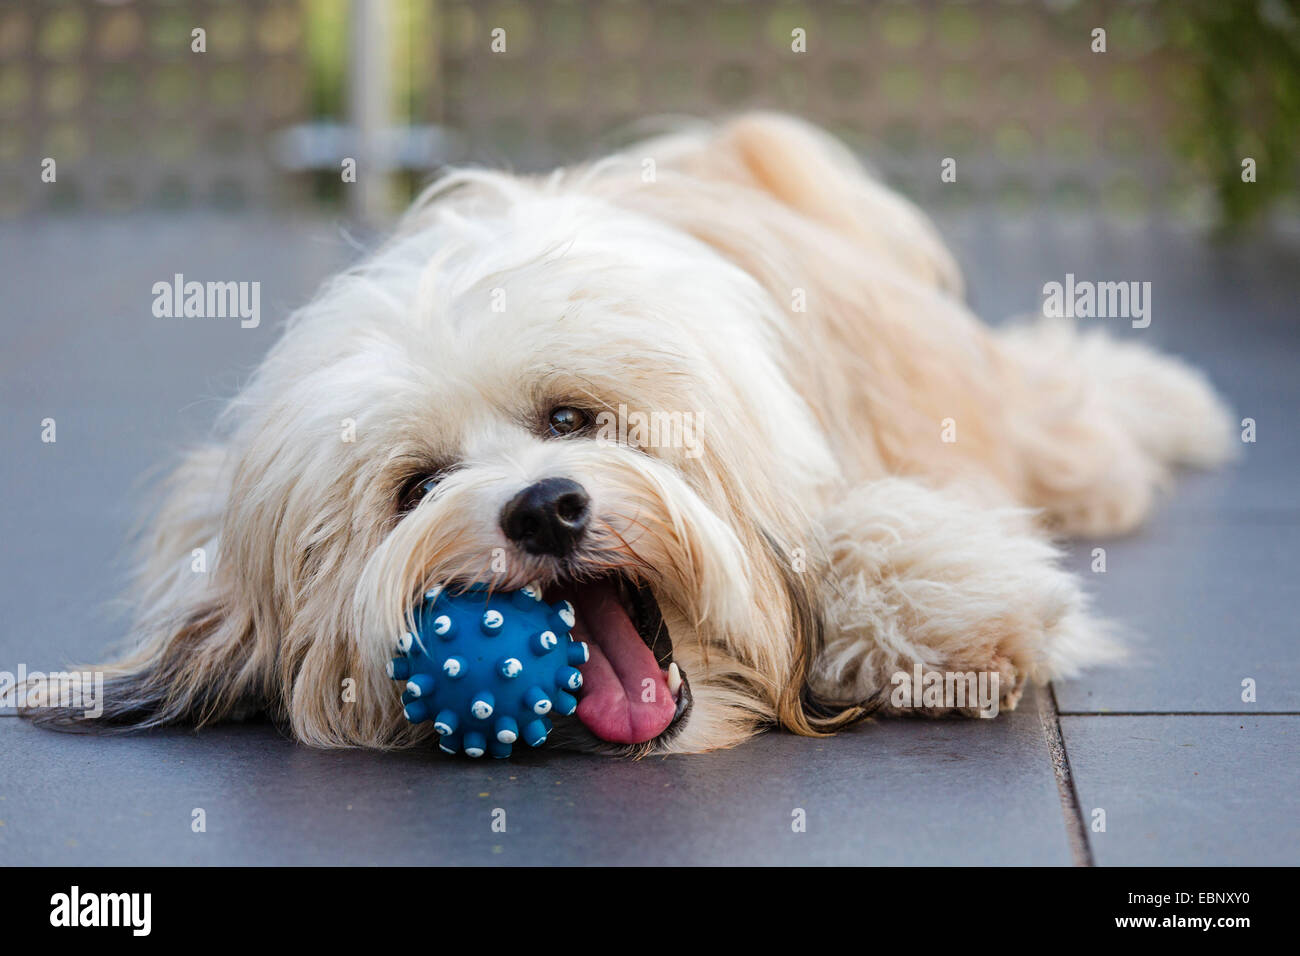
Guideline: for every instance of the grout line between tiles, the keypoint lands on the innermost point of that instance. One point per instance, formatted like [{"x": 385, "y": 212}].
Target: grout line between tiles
[{"x": 1075, "y": 829}]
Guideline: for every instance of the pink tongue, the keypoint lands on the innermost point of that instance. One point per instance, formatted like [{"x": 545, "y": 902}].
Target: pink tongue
[{"x": 624, "y": 697}]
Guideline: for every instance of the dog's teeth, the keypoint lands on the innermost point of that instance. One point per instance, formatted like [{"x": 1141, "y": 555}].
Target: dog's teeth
[{"x": 674, "y": 678}]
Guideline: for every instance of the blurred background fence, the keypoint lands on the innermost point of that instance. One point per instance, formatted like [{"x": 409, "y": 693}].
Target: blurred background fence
[{"x": 1155, "y": 127}]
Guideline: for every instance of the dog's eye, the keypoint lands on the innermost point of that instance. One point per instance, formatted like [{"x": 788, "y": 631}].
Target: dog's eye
[
  {"x": 414, "y": 491},
  {"x": 565, "y": 420}
]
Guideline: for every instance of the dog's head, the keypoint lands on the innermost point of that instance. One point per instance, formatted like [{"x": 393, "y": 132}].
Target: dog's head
[{"x": 533, "y": 383}]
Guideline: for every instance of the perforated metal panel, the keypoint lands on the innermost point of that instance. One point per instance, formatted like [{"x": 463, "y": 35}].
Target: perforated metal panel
[
  {"x": 1010, "y": 89},
  {"x": 131, "y": 115}
]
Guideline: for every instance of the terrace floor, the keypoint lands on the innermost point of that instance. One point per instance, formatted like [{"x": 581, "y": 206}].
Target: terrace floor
[{"x": 1186, "y": 772}]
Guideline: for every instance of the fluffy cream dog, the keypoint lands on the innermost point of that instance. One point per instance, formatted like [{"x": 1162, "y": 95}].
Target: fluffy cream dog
[{"x": 469, "y": 405}]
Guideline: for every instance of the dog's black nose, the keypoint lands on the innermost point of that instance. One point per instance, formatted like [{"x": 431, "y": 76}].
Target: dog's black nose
[{"x": 547, "y": 517}]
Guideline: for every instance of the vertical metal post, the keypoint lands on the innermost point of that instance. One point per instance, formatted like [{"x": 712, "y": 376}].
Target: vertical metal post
[{"x": 369, "y": 104}]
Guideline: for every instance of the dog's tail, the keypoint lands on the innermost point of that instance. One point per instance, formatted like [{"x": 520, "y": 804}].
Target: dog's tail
[{"x": 1101, "y": 423}]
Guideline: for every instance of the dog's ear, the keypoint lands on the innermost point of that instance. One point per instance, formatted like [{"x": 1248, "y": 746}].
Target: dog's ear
[
  {"x": 800, "y": 709},
  {"x": 814, "y": 174},
  {"x": 192, "y": 670},
  {"x": 193, "y": 657}
]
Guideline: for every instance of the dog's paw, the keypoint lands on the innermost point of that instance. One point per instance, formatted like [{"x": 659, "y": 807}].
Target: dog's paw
[
  {"x": 925, "y": 576},
  {"x": 1012, "y": 682}
]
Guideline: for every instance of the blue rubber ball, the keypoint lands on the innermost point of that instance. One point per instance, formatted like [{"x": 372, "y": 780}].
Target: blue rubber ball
[{"x": 489, "y": 667}]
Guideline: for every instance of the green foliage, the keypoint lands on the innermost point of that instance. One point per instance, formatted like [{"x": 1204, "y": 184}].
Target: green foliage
[
  {"x": 327, "y": 56},
  {"x": 1245, "y": 101}
]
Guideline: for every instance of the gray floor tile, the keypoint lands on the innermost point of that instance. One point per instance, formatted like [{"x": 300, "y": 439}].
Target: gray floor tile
[
  {"x": 1206, "y": 605},
  {"x": 128, "y": 391},
  {"x": 892, "y": 793},
  {"x": 1180, "y": 791},
  {"x": 78, "y": 300}
]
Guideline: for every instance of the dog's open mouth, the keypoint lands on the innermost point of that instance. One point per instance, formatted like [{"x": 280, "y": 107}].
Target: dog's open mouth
[{"x": 632, "y": 690}]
